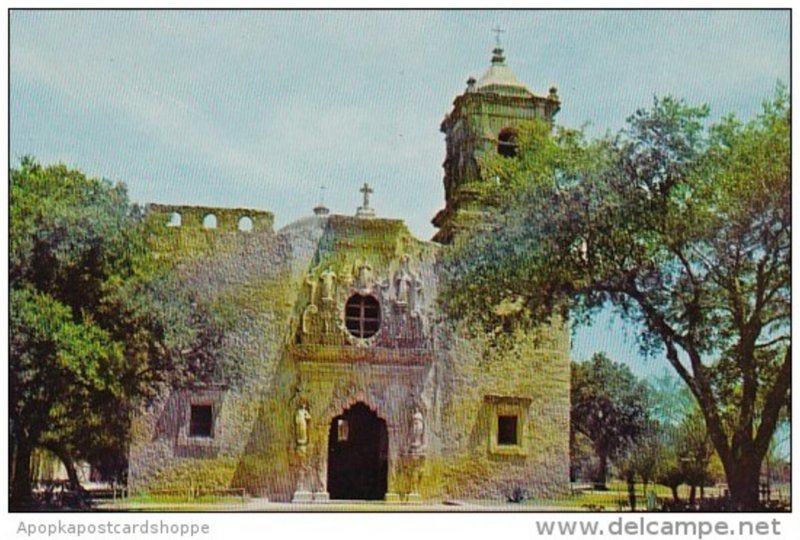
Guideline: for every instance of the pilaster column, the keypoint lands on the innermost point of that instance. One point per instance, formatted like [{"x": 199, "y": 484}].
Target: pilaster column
[
  {"x": 302, "y": 493},
  {"x": 392, "y": 493},
  {"x": 321, "y": 473}
]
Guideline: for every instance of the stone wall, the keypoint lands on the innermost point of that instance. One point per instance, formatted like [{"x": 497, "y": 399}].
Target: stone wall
[
  {"x": 530, "y": 379},
  {"x": 258, "y": 283},
  {"x": 182, "y": 217},
  {"x": 251, "y": 281}
]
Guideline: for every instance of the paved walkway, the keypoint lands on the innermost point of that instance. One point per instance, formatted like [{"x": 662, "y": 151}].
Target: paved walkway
[{"x": 264, "y": 505}]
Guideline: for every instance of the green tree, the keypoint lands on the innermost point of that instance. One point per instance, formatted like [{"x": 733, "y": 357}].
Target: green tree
[
  {"x": 46, "y": 395},
  {"x": 686, "y": 231},
  {"x": 644, "y": 457},
  {"x": 609, "y": 406},
  {"x": 96, "y": 322},
  {"x": 670, "y": 473},
  {"x": 694, "y": 453},
  {"x": 582, "y": 458},
  {"x": 692, "y": 458}
]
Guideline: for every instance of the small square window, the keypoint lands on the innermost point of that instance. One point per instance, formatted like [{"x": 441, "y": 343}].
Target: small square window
[
  {"x": 508, "y": 418},
  {"x": 200, "y": 422},
  {"x": 507, "y": 430}
]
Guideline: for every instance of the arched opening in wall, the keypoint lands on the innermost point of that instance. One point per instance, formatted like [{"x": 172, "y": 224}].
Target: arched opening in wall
[
  {"x": 174, "y": 220},
  {"x": 358, "y": 455},
  {"x": 507, "y": 143},
  {"x": 362, "y": 315},
  {"x": 246, "y": 224},
  {"x": 210, "y": 221}
]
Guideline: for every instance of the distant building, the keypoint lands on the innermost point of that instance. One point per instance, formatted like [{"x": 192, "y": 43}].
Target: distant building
[{"x": 355, "y": 386}]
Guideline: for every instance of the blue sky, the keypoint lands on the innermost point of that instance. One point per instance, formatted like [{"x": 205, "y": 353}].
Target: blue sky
[{"x": 258, "y": 109}]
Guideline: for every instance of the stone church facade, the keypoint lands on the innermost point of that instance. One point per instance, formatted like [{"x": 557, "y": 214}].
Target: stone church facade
[{"x": 350, "y": 383}]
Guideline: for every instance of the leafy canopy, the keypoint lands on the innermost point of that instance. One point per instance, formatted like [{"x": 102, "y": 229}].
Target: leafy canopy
[
  {"x": 97, "y": 322},
  {"x": 683, "y": 227},
  {"x": 608, "y": 404}
]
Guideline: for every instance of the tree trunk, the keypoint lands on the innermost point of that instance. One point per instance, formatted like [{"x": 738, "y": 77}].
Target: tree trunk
[
  {"x": 21, "y": 493},
  {"x": 69, "y": 465},
  {"x": 12, "y": 461},
  {"x": 631, "y": 491},
  {"x": 743, "y": 484},
  {"x": 675, "y": 496},
  {"x": 692, "y": 494},
  {"x": 72, "y": 474},
  {"x": 742, "y": 459},
  {"x": 602, "y": 472}
]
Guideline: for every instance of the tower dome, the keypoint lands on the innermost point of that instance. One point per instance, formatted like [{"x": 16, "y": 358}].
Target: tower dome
[
  {"x": 484, "y": 122},
  {"x": 499, "y": 79}
]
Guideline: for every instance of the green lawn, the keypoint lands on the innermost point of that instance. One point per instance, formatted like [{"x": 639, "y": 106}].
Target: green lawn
[
  {"x": 616, "y": 498},
  {"x": 176, "y": 498}
]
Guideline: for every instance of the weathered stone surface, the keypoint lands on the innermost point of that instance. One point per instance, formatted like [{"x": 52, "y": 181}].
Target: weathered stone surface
[
  {"x": 472, "y": 131},
  {"x": 264, "y": 287},
  {"x": 283, "y": 299}
]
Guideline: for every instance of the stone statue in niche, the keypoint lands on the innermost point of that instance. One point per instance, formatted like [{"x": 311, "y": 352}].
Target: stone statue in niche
[
  {"x": 417, "y": 431},
  {"x": 328, "y": 278},
  {"x": 312, "y": 286},
  {"x": 364, "y": 273},
  {"x": 407, "y": 285},
  {"x": 403, "y": 283},
  {"x": 309, "y": 315},
  {"x": 301, "y": 420}
]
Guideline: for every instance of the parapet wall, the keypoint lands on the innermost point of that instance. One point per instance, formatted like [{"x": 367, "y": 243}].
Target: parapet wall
[{"x": 210, "y": 218}]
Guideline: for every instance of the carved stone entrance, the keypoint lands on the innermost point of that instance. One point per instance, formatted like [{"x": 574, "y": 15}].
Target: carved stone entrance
[{"x": 358, "y": 455}]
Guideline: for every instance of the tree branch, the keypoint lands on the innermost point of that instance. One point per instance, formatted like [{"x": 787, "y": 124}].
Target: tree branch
[
  {"x": 697, "y": 381},
  {"x": 772, "y": 342},
  {"x": 775, "y": 400}
]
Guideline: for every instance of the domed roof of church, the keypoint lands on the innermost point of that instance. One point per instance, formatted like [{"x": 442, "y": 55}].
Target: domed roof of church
[{"x": 499, "y": 79}]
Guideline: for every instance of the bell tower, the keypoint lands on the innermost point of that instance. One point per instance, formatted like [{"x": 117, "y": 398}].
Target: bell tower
[{"x": 483, "y": 122}]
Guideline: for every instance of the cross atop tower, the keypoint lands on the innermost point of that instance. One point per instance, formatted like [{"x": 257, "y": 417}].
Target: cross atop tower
[
  {"x": 497, "y": 31},
  {"x": 367, "y": 191},
  {"x": 365, "y": 211}
]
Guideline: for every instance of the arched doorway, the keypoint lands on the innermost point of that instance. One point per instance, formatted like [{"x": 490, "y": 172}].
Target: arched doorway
[{"x": 358, "y": 455}]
